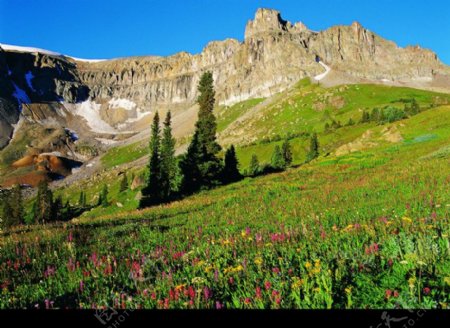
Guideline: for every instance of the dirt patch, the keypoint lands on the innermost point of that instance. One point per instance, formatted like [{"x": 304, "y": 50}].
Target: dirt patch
[{"x": 392, "y": 134}]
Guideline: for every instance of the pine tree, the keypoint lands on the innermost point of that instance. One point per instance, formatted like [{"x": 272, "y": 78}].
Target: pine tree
[
  {"x": 313, "y": 148},
  {"x": 230, "y": 172},
  {"x": 286, "y": 152},
  {"x": 277, "y": 161},
  {"x": 16, "y": 203},
  {"x": 123, "y": 183},
  {"x": 7, "y": 214},
  {"x": 254, "y": 168},
  {"x": 206, "y": 124},
  {"x": 201, "y": 157},
  {"x": 151, "y": 193},
  {"x": 57, "y": 209},
  {"x": 189, "y": 166},
  {"x": 44, "y": 204},
  {"x": 168, "y": 161},
  {"x": 82, "y": 200},
  {"x": 104, "y": 196},
  {"x": 415, "y": 108},
  {"x": 365, "y": 117}
]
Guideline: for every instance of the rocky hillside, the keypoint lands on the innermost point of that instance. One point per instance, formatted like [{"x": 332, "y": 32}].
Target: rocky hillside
[{"x": 114, "y": 99}]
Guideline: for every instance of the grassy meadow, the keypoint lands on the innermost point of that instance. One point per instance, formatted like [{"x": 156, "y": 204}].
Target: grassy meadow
[{"x": 367, "y": 229}]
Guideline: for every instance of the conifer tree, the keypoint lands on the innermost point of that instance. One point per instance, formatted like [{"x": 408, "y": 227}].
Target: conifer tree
[
  {"x": 151, "y": 193},
  {"x": 254, "y": 168},
  {"x": 16, "y": 203},
  {"x": 286, "y": 152},
  {"x": 277, "y": 161},
  {"x": 313, "y": 148},
  {"x": 189, "y": 166},
  {"x": 123, "y": 183},
  {"x": 44, "y": 204},
  {"x": 57, "y": 209},
  {"x": 230, "y": 171},
  {"x": 168, "y": 161},
  {"x": 103, "y": 199},
  {"x": 201, "y": 157},
  {"x": 82, "y": 200}
]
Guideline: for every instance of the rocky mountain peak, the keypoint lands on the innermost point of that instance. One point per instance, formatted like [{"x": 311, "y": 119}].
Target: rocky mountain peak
[{"x": 266, "y": 20}]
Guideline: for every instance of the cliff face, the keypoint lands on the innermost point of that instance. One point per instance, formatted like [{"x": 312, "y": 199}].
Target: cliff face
[{"x": 113, "y": 95}]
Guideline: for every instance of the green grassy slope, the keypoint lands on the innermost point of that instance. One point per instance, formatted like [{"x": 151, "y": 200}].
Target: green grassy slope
[{"x": 367, "y": 229}]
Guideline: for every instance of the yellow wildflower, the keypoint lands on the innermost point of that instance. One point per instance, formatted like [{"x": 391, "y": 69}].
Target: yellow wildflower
[
  {"x": 209, "y": 268},
  {"x": 447, "y": 280},
  {"x": 200, "y": 263},
  {"x": 243, "y": 233},
  {"x": 258, "y": 261},
  {"x": 411, "y": 282},
  {"x": 348, "y": 290},
  {"x": 317, "y": 263},
  {"x": 226, "y": 242},
  {"x": 407, "y": 219},
  {"x": 308, "y": 265},
  {"x": 297, "y": 283},
  {"x": 180, "y": 287}
]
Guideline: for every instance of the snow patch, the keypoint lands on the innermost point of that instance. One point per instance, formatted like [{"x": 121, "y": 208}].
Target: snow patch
[
  {"x": 106, "y": 141},
  {"x": 90, "y": 111},
  {"x": 87, "y": 60},
  {"x": 20, "y": 95},
  {"x": 29, "y": 77},
  {"x": 9, "y": 47},
  {"x": 121, "y": 103},
  {"x": 321, "y": 76}
]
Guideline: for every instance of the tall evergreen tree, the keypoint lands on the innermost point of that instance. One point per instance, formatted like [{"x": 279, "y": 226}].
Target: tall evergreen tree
[
  {"x": 189, "y": 166},
  {"x": 201, "y": 157},
  {"x": 11, "y": 207},
  {"x": 151, "y": 193},
  {"x": 103, "y": 197},
  {"x": 16, "y": 202},
  {"x": 230, "y": 172},
  {"x": 123, "y": 183},
  {"x": 286, "y": 151},
  {"x": 82, "y": 200},
  {"x": 277, "y": 161},
  {"x": 7, "y": 214},
  {"x": 254, "y": 168},
  {"x": 57, "y": 209},
  {"x": 313, "y": 148},
  {"x": 44, "y": 202},
  {"x": 168, "y": 161}
]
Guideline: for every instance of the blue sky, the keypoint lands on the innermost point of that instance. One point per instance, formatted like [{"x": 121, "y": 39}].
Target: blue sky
[{"x": 117, "y": 28}]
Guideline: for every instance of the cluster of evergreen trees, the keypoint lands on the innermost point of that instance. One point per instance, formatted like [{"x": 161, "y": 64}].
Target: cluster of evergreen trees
[
  {"x": 281, "y": 158},
  {"x": 391, "y": 114},
  {"x": 12, "y": 212},
  {"x": 200, "y": 168}
]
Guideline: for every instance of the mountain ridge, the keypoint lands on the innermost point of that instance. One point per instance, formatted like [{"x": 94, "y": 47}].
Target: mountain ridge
[{"x": 107, "y": 101}]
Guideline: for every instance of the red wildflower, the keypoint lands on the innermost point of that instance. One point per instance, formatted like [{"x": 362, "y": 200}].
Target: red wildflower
[
  {"x": 258, "y": 292},
  {"x": 247, "y": 300},
  {"x": 426, "y": 290},
  {"x": 191, "y": 292},
  {"x": 267, "y": 285},
  {"x": 388, "y": 293},
  {"x": 396, "y": 294}
]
